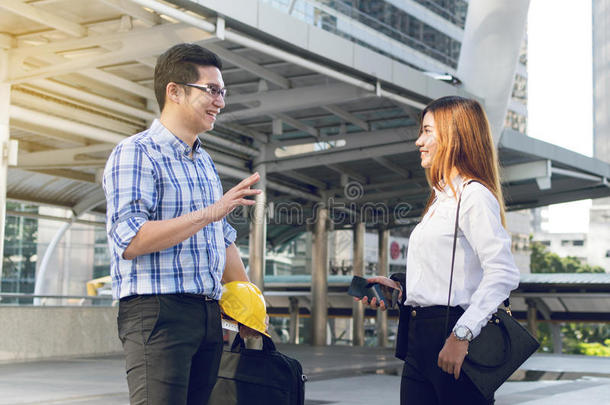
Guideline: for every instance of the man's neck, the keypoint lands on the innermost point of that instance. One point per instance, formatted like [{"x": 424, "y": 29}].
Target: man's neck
[{"x": 176, "y": 126}]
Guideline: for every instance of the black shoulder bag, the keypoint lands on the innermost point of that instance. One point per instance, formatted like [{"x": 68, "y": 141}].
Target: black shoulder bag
[{"x": 501, "y": 347}]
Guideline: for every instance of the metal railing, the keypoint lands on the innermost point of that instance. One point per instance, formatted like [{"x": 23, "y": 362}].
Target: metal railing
[{"x": 17, "y": 299}]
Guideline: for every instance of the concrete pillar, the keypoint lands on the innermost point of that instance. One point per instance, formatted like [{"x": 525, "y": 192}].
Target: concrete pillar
[
  {"x": 557, "y": 338},
  {"x": 5, "y": 96},
  {"x": 319, "y": 278},
  {"x": 532, "y": 315},
  {"x": 294, "y": 320},
  {"x": 258, "y": 231},
  {"x": 383, "y": 270},
  {"x": 490, "y": 52},
  {"x": 358, "y": 307}
]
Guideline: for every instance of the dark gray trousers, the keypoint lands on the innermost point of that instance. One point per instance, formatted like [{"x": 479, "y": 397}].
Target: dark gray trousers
[
  {"x": 423, "y": 381},
  {"x": 173, "y": 345}
]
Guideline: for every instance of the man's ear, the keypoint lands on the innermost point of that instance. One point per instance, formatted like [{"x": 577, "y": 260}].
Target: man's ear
[{"x": 174, "y": 92}]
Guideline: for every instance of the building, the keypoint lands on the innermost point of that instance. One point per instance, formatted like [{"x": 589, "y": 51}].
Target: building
[{"x": 599, "y": 217}]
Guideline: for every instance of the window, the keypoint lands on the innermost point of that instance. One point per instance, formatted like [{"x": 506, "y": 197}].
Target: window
[{"x": 578, "y": 242}]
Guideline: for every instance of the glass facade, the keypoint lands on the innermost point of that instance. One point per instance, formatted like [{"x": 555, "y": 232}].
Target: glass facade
[
  {"x": 392, "y": 21},
  {"x": 20, "y": 256},
  {"x": 451, "y": 10},
  {"x": 515, "y": 121},
  {"x": 101, "y": 254},
  {"x": 520, "y": 89}
]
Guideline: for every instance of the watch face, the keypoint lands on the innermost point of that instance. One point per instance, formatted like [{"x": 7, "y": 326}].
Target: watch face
[{"x": 461, "y": 332}]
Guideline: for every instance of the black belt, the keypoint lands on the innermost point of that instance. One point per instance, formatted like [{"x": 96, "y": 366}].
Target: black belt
[
  {"x": 185, "y": 295},
  {"x": 197, "y": 296},
  {"x": 435, "y": 311}
]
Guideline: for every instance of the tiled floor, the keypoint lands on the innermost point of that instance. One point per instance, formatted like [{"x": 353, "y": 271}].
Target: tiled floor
[{"x": 335, "y": 378}]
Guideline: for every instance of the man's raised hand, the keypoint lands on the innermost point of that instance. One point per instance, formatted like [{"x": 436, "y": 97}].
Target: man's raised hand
[{"x": 234, "y": 198}]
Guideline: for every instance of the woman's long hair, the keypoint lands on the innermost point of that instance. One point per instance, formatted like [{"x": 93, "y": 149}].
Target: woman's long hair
[{"x": 464, "y": 141}]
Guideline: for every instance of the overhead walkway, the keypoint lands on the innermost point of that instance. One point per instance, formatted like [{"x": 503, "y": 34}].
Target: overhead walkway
[
  {"x": 570, "y": 297},
  {"x": 79, "y": 81}
]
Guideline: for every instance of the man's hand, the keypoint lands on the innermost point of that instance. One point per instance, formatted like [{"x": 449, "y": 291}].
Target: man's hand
[
  {"x": 246, "y": 332},
  {"x": 452, "y": 355},
  {"x": 234, "y": 198}
]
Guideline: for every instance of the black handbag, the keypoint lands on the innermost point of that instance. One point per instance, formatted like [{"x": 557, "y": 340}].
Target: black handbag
[
  {"x": 501, "y": 347},
  {"x": 258, "y": 377}
]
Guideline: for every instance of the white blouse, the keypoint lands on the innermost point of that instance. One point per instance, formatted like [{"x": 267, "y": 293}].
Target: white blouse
[{"x": 484, "y": 271}]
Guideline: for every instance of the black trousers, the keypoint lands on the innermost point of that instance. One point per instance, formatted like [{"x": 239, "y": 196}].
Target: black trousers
[
  {"x": 173, "y": 345},
  {"x": 423, "y": 381}
]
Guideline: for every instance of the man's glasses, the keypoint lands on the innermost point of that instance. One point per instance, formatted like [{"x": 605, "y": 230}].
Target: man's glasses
[{"x": 211, "y": 89}]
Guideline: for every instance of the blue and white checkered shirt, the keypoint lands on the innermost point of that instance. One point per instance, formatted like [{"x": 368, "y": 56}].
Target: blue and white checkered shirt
[{"x": 150, "y": 176}]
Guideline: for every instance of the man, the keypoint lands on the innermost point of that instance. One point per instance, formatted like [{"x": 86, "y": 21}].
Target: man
[{"x": 170, "y": 243}]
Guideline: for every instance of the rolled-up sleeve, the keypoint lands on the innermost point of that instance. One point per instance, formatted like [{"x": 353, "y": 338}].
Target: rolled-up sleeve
[
  {"x": 129, "y": 185},
  {"x": 482, "y": 227},
  {"x": 230, "y": 234}
]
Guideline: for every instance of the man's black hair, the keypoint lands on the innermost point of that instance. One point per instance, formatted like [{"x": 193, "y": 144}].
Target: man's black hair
[{"x": 179, "y": 65}]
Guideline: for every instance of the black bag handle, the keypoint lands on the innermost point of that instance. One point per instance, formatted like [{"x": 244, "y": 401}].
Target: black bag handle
[
  {"x": 239, "y": 344},
  {"x": 455, "y": 232}
]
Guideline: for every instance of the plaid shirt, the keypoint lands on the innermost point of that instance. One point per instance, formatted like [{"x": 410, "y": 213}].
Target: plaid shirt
[{"x": 150, "y": 176}]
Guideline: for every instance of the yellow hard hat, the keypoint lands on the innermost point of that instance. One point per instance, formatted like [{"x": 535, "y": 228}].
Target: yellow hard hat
[{"x": 244, "y": 302}]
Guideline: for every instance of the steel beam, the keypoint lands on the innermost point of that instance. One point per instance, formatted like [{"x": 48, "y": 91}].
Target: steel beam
[
  {"x": 319, "y": 278},
  {"x": 393, "y": 167},
  {"x": 275, "y": 101},
  {"x": 305, "y": 179},
  {"x": 24, "y": 97},
  {"x": 360, "y": 139},
  {"x": 293, "y": 122},
  {"x": 539, "y": 170},
  {"x": 324, "y": 158},
  {"x": 348, "y": 173},
  {"x": 383, "y": 270},
  {"x": 43, "y": 17},
  {"x": 83, "y": 130},
  {"x": 118, "y": 82},
  {"x": 5, "y": 95},
  {"x": 127, "y": 7},
  {"x": 250, "y": 66},
  {"x": 67, "y": 174},
  {"x": 245, "y": 131},
  {"x": 7, "y": 41},
  {"x": 63, "y": 157},
  {"x": 347, "y": 116},
  {"x": 358, "y": 306},
  {"x": 94, "y": 99},
  {"x": 136, "y": 44}
]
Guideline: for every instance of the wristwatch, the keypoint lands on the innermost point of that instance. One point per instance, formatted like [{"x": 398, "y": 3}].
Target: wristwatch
[{"x": 462, "y": 332}]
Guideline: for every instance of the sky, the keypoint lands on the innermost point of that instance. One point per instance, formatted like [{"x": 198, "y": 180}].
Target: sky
[{"x": 560, "y": 90}]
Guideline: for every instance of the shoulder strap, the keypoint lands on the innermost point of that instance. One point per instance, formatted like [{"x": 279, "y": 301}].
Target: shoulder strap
[
  {"x": 455, "y": 231},
  {"x": 457, "y": 218}
]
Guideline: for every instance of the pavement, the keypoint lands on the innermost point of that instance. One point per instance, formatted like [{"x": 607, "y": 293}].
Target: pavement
[{"x": 338, "y": 375}]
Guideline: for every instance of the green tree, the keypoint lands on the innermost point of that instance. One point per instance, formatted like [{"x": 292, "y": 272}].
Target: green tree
[
  {"x": 543, "y": 261},
  {"x": 578, "y": 338}
]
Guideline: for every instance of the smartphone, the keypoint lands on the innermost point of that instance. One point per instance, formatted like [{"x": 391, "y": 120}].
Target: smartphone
[{"x": 360, "y": 288}]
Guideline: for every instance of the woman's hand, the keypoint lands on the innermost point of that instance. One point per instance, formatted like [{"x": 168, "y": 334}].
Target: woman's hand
[
  {"x": 385, "y": 281},
  {"x": 452, "y": 355}
]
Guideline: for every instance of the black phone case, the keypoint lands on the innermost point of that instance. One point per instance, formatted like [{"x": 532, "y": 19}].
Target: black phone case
[{"x": 361, "y": 288}]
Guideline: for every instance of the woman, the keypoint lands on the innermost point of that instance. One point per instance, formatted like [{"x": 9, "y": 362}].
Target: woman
[{"x": 458, "y": 153}]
